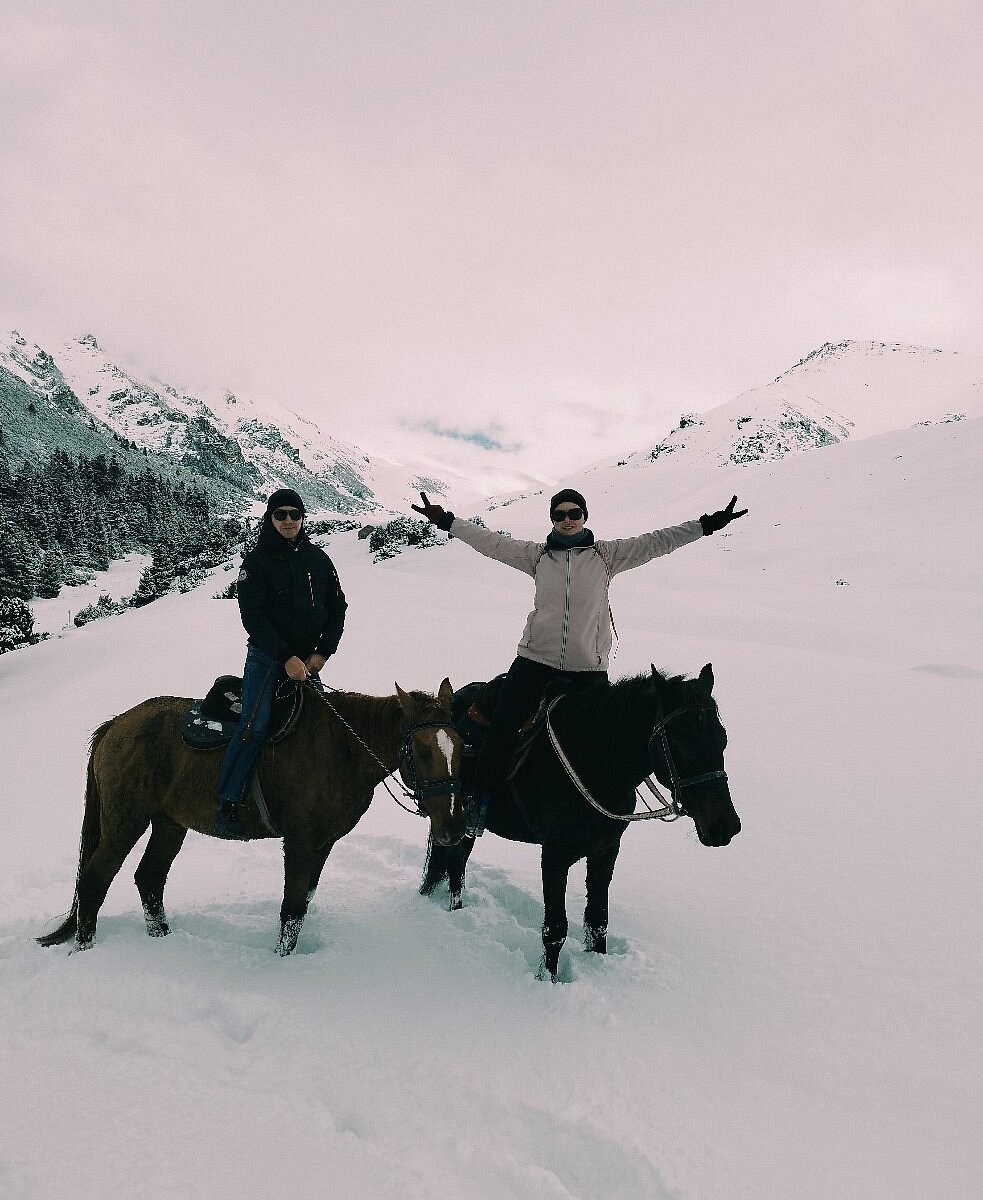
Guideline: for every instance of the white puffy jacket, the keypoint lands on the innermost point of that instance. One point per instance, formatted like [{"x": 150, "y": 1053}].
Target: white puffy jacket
[{"x": 570, "y": 625}]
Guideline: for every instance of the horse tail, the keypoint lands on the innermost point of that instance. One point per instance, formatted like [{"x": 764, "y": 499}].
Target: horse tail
[
  {"x": 88, "y": 841},
  {"x": 434, "y": 868}
]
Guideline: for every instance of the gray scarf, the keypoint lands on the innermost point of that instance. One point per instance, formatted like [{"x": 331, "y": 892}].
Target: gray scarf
[{"x": 564, "y": 541}]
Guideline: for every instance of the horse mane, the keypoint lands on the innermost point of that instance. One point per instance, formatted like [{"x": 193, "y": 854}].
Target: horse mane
[
  {"x": 632, "y": 695},
  {"x": 381, "y": 716}
]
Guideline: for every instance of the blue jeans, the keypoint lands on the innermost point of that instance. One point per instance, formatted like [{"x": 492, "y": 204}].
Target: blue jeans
[{"x": 260, "y": 676}]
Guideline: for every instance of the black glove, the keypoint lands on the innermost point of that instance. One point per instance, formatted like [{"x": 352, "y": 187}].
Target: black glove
[
  {"x": 434, "y": 513},
  {"x": 720, "y": 518}
]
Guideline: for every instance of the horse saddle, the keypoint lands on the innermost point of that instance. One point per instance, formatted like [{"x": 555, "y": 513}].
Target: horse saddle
[
  {"x": 472, "y": 707},
  {"x": 211, "y": 722}
]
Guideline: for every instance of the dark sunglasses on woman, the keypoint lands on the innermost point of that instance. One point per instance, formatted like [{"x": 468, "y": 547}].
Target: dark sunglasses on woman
[
  {"x": 566, "y": 514},
  {"x": 284, "y": 514}
]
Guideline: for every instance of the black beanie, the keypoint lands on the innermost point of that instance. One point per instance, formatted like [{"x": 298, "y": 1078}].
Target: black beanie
[
  {"x": 569, "y": 496},
  {"x": 285, "y": 498}
]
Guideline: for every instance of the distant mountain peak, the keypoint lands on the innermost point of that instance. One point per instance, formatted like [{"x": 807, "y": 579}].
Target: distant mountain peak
[
  {"x": 829, "y": 352},
  {"x": 841, "y": 390}
]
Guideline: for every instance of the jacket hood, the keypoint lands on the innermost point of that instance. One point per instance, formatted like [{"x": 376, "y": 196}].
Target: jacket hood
[{"x": 270, "y": 539}]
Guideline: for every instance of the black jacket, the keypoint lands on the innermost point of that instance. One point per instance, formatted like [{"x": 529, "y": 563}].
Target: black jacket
[{"x": 290, "y": 599}]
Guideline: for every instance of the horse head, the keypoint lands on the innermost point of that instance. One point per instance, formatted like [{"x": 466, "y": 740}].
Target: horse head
[
  {"x": 686, "y": 750},
  {"x": 430, "y": 761}
]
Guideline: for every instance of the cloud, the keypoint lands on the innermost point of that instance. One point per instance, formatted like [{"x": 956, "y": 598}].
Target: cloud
[
  {"x": 486, "y": 439},
  {"x": 552, "y": 227}
]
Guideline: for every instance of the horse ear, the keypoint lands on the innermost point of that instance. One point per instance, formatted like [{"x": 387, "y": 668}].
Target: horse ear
[
  {"x": 406, "y": 702},
  {"x": 445, "y": 695},
  {"x": 706, "y": 679}
]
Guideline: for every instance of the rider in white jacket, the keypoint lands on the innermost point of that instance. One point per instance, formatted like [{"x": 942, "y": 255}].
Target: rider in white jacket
[{"x": 568, "y": 634}]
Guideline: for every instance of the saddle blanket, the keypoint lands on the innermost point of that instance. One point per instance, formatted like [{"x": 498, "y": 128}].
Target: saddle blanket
[{"x": 211, "y": 722}]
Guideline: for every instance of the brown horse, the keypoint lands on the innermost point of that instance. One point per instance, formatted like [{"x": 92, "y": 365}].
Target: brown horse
[{"x": 317, "y": 784}]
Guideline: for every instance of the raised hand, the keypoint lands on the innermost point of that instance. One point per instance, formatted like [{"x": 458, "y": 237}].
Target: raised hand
[
  {"x": 721, "y": 517},
  {"x": 434, "y": 513}
]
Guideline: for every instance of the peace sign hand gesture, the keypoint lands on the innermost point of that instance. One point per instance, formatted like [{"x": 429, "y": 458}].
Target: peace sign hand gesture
[
  {"x": 721, "y": 517},
  {"x": 434, "y": 513}
]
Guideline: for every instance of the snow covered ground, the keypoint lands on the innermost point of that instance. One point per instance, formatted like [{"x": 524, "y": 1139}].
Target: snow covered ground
[
  {"x": 793, "y": 1016},
  {"x": 56, "y": 615}
]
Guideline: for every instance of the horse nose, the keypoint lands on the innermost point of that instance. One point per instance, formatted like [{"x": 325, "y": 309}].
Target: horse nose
[
  {"x": 720, "y": 832},
  {"x": 726, "y": 831}
]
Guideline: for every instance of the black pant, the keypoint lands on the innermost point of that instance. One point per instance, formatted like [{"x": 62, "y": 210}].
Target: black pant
[{"x": 519, "y": 697}]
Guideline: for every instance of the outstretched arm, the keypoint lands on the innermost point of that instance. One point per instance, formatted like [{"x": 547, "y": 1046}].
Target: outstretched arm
[
  {"x": 627, "y": 553},
  {"x": 514, "y": 553}
]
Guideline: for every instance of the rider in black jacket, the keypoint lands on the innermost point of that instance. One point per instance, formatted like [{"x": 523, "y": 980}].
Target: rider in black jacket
[
  {"x": 290, "y": 599},
  {"x": 293, "y": 608}
]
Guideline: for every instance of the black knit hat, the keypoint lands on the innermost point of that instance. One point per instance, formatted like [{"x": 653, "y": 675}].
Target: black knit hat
[
  {"x": 569, "y": 496},
  {"x": 285, "y": 498}
]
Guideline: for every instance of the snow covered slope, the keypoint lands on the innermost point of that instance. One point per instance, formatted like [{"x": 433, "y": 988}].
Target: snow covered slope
[{"x": 793, "y": 1016}]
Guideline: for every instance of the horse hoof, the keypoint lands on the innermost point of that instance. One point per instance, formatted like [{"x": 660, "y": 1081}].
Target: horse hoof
[
  {"x": 288, "y": 937},
  {"x": 549, "y": 965},
  {"x": 544, "y": 973},
  {"x": 156, "y": 921},
  {"x": 596, "y": 939},
  {"x": 456, "y": 901}
]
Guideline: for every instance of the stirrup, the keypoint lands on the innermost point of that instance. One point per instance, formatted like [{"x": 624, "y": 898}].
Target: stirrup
[{"x": 477, "y": 814}]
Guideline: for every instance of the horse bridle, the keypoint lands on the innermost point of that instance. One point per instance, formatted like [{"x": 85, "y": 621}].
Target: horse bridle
[
  {"x": 423, "y": 789},
  {"x": 420, "y": 789},
  {"x": 679, "y": 782}
]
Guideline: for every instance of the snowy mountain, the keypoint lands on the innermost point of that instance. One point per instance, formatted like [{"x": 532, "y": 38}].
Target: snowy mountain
[
  {"x": 245, "y": 444},
  {"x": 838, "y": 392}
]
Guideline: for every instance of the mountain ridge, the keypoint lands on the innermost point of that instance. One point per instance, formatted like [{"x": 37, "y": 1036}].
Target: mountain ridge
[
  {"x": 838, "y": 392},
  {"x": 244, "y": 445}
]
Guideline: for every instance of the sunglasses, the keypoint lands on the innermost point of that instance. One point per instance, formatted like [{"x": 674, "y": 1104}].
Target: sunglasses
[
  {"x": 287, "y": 514},
  {"x": 566, "y": 514}
]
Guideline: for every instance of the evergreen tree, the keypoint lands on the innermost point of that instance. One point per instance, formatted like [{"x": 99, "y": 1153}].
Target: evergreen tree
[
  {"x": 6, "y": 479},
  {"x": 18, "y": 572},
  {"x": 50, "y": 574},
  {"x": 16, "y": 624}
]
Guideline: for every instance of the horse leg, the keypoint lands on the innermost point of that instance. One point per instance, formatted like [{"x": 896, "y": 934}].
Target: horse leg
[
  {"x": 555, "y": 871},
  {"x": 446, "y": 862},
  {"x": 457, "y": 861},
  {"x": 319, "y": 861},
  {"x": 166, "y": 839},
  {"x": 299, "y": 863},
  {"x": 600, "y": 868},
  {"x": 99, "y": 872}
]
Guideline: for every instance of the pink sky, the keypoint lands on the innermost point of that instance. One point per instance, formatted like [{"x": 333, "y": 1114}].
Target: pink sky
[{"x": 557, "y": 225}]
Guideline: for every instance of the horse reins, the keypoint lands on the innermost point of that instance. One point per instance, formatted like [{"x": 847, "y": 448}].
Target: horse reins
[
  {"x": 671, "y": 808},
  {"x": 422, "y": 789}
]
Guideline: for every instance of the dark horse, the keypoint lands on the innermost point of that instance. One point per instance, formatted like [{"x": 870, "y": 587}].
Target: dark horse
[
  {"x": 317, "y": 784},
  {"x": 613, "y": 738}
]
